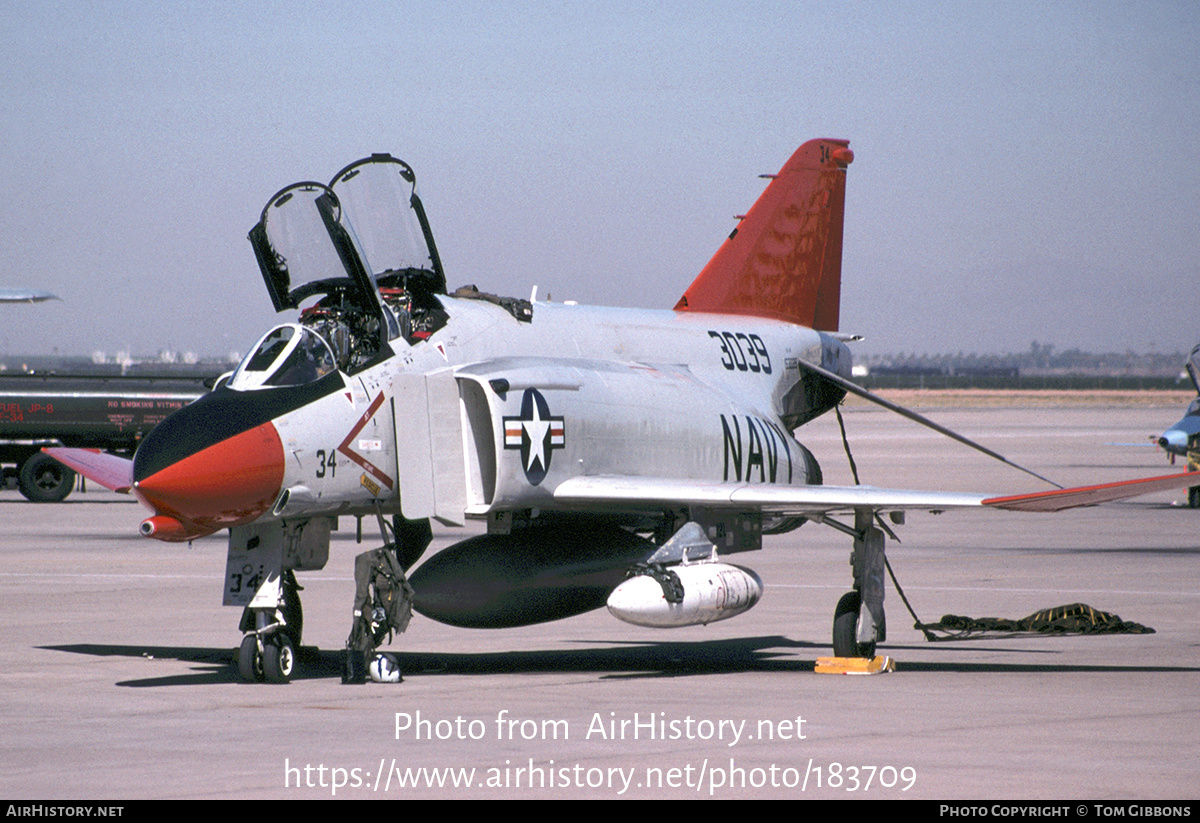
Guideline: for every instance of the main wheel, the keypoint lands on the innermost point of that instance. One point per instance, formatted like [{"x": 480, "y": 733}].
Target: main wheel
[
  {"x": 250, "y": 664},
  {"x": 845, "y": 628},
  {"x": 44, "y": 480},
  {"x": 279, "y": 658}
]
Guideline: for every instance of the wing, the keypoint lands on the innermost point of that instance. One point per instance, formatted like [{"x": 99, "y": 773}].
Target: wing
[
  {"x": 819, "y": 500},
  {"x": 109, "y": 470}
]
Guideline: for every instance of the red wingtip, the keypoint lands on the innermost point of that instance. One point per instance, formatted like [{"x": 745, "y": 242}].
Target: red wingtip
[
  {"x": 784, "y": 259},
  {"x": 1060, "y": 499}
]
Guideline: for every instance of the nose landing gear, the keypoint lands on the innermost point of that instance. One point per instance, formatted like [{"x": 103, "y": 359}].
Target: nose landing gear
[
  {"x": 268, "y": 650},
  {"x": 845, "y": 628}
]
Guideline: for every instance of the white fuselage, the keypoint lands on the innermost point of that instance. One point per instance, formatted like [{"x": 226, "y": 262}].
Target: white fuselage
[{"x": 492, "y": 413}]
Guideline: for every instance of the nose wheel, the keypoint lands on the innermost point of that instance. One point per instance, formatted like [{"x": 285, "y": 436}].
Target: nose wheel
[
  {"x": 279, "y": 659},
  {"x": 271, "y": 659},
  {"x": 250, "y": 660},
  {"x": 268, "y": 650}
]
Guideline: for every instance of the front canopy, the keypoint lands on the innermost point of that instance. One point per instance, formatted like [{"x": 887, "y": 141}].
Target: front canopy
[{"x": 288, "y": 355}]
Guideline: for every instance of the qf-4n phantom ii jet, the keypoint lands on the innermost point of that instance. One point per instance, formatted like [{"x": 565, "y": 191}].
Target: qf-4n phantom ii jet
[{"x": 596, "y": 443}]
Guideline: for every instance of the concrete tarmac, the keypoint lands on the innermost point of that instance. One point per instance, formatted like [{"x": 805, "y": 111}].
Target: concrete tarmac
[{"x": 117, "y": 678}]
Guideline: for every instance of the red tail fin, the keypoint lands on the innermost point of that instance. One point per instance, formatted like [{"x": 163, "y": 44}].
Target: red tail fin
[{"x": 784, "y": 259}]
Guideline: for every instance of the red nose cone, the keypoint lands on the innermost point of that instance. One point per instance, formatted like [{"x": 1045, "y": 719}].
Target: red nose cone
[{"x": 231, "y": 482}]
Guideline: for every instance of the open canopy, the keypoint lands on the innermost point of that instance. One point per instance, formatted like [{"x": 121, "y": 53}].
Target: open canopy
[{"x": 366, "y": 229}]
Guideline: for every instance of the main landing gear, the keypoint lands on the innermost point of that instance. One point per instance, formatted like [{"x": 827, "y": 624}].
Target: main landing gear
[
  {"x": 858, "y": 620},
  {"x": 845, "y": 628},
  {"x": 268, "y": 650}
]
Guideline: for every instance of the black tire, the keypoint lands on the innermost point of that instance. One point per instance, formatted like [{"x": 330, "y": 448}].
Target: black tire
[
  {"x": 44, "y": 480},
  {"x": 845, "y": 628},
  {"x": 279, "y": 658},
  {"x": 1194, "y": 497},
  {"x": 249, "y": 661}
]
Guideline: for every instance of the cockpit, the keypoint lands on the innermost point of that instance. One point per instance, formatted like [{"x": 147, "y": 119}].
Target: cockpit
[
  {"x": 357, "y": 258},
  {"x": 288, "y": 355}
]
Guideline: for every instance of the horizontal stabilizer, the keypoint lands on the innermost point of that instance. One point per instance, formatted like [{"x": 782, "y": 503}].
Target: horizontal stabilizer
[{"x": 109, "y": 470}]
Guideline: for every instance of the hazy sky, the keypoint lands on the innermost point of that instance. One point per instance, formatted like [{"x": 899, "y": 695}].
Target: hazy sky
[{"x": 1024, "y": 171}]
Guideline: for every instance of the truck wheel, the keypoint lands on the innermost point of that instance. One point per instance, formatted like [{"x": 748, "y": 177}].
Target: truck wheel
[{"x": 44, "y": 480}]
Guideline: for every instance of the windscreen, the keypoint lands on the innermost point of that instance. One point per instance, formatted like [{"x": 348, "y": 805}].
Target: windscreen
[{"x": 288, "y": 355}]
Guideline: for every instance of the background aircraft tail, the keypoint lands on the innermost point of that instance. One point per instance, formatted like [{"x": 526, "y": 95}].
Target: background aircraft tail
[{"x": 784, "y": 259}]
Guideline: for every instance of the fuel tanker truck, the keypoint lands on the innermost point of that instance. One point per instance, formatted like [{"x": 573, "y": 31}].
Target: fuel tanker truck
[{"x": 107, "y": 413}]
